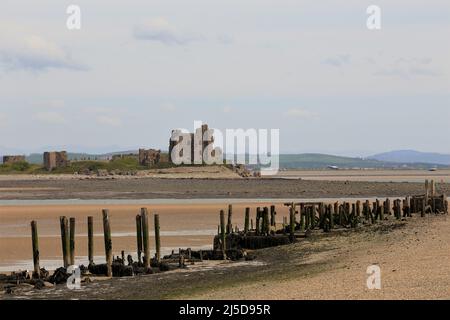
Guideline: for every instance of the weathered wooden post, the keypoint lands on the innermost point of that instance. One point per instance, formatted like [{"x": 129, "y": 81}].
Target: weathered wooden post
[
  {"x": 108, "y": 242},
  {"x": 145, "y": 237},
  {"x": 222, "y": 234},
  {"x": 139, "y": 237},
  {"x": 35, "y": 245},
  {"x": 302, "y": 217},
  {"x": 292, "y": 222},
  {"x": 72, "y": 240},
  {"x": 157, "y": 239},
  {"x": 427, "y": 192},
  {"x": 313, "y": 216},
  {"x": 272, "y": 215},
  {"x": 258, "y": 218},
  {"x": 331, "y": 215},
  {"x": 91, "y": 240},
  {"x": 433, "y": 188},
  {"x": 358, "y": 208},
  {"x": 266, "y": 221},
  {"x": 251, "y": 224},
  {"x": 247, "y": 220},
  {"x": 229, "y": 223},
  {"x": 65, "y": 240}
]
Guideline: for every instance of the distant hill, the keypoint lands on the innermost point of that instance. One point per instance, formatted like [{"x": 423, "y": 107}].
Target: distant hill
[
  {"x": 320, "y": 161},
  {"x": 411, "y": 156}
]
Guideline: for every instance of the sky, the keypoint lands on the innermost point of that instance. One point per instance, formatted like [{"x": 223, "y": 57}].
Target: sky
[{"x": 137, "y": 69}]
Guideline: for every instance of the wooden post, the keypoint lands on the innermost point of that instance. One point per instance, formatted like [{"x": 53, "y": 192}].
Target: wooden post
[
  {"x": 157, "y": 239},
  {"x": 433, "y": 188},
  {"x": 358, "y": 208},
  {"x": 122, "y": 253},
  {"x": 145, "y": 238},
  {"x": 230, "y": 215},
  {"x": 258, "y": 217},
  {"x": 35, "y": 244},
  {"x": 247, "y": 220},
  {"x": 266, "y": 221},
  {"x": 222, "y": 234},
  {"x": 139, "y": 237},
  {"x": 292, "y": 222},
  {"x": 331, "y": 215},
  {"x": 65, "y": 240},
  {"x": 272, "y": 215},
  {"x": 91, "y": 240},
  {"x": 251, "y": 224},
  {"x": 108, "y": 242},
  {"x": 72, "y": 240},
  {"x": 302, "y": 217}
]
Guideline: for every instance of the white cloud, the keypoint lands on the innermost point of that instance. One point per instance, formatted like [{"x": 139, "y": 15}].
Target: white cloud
[
  {"x": 109, "y": 120},
  {"x": 36, "y": 54},
  {"x": 50, "y": 117},
  {"x": 301, "y": 113},
  {"x": 160, "y": 30}
]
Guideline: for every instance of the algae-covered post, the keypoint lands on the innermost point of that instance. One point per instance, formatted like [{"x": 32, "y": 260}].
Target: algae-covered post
[
  {"x": 72, "y": 240},
  {"x": 108, "y": 242},
  {"x": 91, "y": 240},
  {"x": 247, "y": 218},
  {"x": 35, "y": 244},
  {"x": 65, "y": 240}
]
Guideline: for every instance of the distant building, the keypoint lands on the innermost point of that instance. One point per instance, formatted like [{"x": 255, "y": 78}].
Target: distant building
[
  {"x": 13, "y": 159},
  {"x": 149, "y": 157},
  {"x": 53, "y": 160}
]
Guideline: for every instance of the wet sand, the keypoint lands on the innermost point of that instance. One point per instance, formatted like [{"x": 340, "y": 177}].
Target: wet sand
[
  {"x": 307, "y": 184},
  {"x": 192, "y": 225}
]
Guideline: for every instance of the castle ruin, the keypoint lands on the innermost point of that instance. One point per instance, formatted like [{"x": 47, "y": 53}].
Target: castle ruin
[
  {"x": 149, "y": 157},
  {"x": 13, "y": 159},
  {"x": 54, "y": 160}
]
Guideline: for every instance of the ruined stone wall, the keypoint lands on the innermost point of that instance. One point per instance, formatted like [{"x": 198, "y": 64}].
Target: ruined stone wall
[
  {"x": 13, "y": 159},
  {"x": 53, "y": 160},
  {"x": 149, "y": 157}
]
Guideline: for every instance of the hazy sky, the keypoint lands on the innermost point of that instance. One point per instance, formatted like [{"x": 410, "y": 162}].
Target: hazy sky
[{"x": 137, "y": 69}]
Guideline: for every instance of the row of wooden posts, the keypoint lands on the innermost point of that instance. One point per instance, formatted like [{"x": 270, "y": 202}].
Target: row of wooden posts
[
  {"x": 68, "y": 241},
  {"x": 327, "y": 216}
]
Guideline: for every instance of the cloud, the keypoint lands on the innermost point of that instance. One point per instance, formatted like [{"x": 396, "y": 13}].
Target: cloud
[
  {"x": 338, "y": 61},
  {"x": 160, "y": 30},
  {"x": 50, "y": 117},
  {"x": 301, "y": 113},
  {"x": 34, "y": 53},
  {"x": 408, "y": 67},
  {"x": 109, "y": 120}
]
